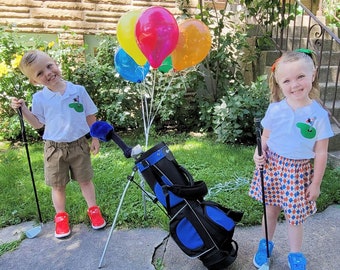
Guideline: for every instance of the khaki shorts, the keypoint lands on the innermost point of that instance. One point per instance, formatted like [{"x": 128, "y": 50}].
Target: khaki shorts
[{"x": 65, "y": 161}]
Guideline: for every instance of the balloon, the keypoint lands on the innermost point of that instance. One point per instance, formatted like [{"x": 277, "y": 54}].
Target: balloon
[
  {"x": 157, "y": 34},
  {"x": 166, "y": 65},
  {"x": 126, "y": 35},
  {"x": 193, "y": 44},
  {"x": 128, "y": 68}
]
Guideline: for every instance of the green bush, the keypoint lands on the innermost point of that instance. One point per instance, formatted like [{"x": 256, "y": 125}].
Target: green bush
[
  {"x": 234, "y": 116},
  {"x": 13, "y": 83}
]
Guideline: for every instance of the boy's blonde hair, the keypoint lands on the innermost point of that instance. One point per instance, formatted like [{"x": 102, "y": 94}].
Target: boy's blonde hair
[
  {"x": 28, "y": 58},
  {"x": 292, "y": 56}
]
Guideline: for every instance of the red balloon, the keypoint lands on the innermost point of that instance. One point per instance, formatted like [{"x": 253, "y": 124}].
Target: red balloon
[{"x": 157, "y": 34}]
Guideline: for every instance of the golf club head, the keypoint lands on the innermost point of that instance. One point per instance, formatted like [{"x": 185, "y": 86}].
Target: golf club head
[
  {"x": 32, "y": 233},
  {"x": 265, "y": 266}
]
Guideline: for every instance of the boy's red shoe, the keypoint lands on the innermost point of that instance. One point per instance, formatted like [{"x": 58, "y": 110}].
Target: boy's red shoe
[
  {"x": 97, "y": 221},
  {"x": 62, "y": 229}
]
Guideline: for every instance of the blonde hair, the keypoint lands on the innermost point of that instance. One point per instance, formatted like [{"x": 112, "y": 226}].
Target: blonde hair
[
  {"x": 28, "y": 58},
  {"x": 293, "y": 56}
]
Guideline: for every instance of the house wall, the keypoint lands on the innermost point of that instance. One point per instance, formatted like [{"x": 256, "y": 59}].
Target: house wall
[{"x": 73, "y": 19}]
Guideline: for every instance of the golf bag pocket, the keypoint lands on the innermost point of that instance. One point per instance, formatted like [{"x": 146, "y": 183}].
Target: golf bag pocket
[{"x": 200, "y": 227}]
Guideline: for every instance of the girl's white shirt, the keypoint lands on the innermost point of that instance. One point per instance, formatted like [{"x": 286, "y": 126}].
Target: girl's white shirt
[{"x": 288, "y": 129}]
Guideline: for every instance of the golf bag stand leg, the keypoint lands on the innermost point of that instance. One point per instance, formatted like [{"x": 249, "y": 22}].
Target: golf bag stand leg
[{"x": 116, "y": 216}]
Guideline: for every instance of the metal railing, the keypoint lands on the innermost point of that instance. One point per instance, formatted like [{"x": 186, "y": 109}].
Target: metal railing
[{"x": 298, "y": 27}]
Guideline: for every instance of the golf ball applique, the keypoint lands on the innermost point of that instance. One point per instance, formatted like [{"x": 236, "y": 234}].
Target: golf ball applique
[
  {"x": 307, "y": 130},
  {"x": 76, "y": 105}
]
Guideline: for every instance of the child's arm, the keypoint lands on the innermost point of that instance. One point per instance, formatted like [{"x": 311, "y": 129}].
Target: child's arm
[
  {"x": 320, "y": 162},
  {"x": 26, "y": 113},
  {"x": 95, "y": 145}
]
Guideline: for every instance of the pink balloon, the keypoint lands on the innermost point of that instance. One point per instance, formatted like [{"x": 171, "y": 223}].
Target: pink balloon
[{"x": 157, "y": 34}]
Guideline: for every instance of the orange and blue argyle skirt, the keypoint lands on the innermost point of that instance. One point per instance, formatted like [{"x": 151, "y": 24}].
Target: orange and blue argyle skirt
[{"x": 285, "y": 184}]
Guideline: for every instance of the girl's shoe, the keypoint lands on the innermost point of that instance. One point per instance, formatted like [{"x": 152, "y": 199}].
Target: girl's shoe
[
  {"x": 62, "y": 228},
  {"x": 260, "y": 257},
  {"x": 297, "y": 261},
  {"x": 97, "y": 221}
]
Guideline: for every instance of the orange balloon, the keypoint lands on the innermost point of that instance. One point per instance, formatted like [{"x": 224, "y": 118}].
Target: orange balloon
[{"x": 193, "y": 44}]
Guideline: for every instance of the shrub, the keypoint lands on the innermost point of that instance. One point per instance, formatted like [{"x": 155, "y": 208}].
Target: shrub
[
  {"x": 13, "y": 83},
  {"x": 234, "y": 115}
]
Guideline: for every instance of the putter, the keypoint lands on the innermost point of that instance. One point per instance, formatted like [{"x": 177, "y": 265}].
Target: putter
[
  {"x": 265, "y": 266},
  {"x": 31, "y": 233}
]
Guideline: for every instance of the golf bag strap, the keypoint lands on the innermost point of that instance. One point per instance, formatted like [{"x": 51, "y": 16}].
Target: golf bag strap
[
  {"x": 154, "y": 158},
  {"x": 197, "y": 191},
  {"x": 234, "y": 215}
]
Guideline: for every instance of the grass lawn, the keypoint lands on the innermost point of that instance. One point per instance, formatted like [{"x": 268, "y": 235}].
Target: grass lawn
[{"x": 226, "y": 169}]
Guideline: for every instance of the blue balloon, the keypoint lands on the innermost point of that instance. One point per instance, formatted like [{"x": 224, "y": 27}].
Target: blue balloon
[{"x": 128, "y": 68}]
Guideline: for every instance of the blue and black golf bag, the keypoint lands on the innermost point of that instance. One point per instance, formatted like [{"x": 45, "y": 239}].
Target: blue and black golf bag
[{"x": 202, "y": 229}]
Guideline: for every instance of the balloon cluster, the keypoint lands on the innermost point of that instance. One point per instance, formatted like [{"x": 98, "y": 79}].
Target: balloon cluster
[{"x": 152, "y": 37}]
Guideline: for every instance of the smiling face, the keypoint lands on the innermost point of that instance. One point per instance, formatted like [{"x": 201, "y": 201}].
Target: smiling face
[
  {"x": 295, "y": 79},
  {"x": 41, "y": 69}
]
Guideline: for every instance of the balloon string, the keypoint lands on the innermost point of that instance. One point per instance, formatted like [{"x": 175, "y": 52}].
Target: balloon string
[
  {"x": 163, "y": 96},
  {"x": 148, "y": 112}
]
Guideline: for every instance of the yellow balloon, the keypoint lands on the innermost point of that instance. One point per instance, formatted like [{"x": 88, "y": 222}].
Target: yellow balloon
[
  {"x": 193, "y": 44},
  {"x": 126, "y": 35}
]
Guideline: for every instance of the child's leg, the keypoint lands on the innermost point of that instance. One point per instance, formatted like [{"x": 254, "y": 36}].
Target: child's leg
[
  {"x": 295, "y": 237},
  {"x": 296, "y": 259},
  {"x": 260, "y": 256},
  {"x": 88, "y": 191},
  {"x": 93, "y": 211},
  {"x": 62, "y": 228},
  {"x": 59, "y": 198},
  {"x": 273, "y": 213}
]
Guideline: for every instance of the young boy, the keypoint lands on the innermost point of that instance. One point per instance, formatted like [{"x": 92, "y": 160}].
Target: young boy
[{"x": 66, "y": 112}]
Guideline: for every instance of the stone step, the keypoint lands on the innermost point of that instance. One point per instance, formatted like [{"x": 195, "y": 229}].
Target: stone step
[
  {"x": 334, "y": 159},
  {"x": 334, "y": 142},
  {"x": 329, "y": 74},
  {"x": 336, "y": 112},
  {"x": 328, "y": 94}
]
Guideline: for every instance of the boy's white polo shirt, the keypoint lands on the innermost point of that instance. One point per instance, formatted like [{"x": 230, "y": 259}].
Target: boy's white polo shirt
[{"x": 64, "y": 116}]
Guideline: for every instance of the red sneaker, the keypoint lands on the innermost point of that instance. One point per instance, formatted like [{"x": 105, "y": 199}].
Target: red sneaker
[
  {"x": 62, "y": 228},
  {"x": 96, "y": 218}
]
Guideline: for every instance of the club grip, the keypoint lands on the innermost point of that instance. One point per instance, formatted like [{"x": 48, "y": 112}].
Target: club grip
[{"x": 258, "y": 135}]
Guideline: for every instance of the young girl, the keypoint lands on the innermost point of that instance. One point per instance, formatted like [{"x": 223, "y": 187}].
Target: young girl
[
  {"x": 66, "y": 111},
  {"x": 296, "y": 129}
]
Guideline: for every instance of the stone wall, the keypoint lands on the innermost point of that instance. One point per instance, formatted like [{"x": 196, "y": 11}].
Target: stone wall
[{"x": 79, "y": 17}]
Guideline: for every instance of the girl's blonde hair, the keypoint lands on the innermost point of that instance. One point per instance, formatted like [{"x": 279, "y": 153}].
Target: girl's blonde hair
[{"x": 292, "y": 56}]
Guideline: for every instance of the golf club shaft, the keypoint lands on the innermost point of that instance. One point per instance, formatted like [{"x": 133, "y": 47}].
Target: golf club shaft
[
  {"x": 259, "y": 149},
  {"x": 24, "y": 140}
]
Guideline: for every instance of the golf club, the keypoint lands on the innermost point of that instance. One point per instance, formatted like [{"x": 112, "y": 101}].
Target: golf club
[
  {"x": 265, "y": 266},
  {"x": 31, "y": 233}
]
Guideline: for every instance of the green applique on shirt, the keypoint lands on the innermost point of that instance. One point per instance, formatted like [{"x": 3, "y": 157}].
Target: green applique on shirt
[
  {"x": 307, "y": 130},
  {"x": 76, "y": 105}
]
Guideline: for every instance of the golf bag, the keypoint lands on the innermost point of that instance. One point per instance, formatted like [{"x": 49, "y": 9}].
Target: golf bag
[{"x": 202, "y": 229}]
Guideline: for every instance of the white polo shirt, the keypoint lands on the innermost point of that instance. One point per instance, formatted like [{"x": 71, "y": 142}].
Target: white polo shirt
[
  {"x": 293, "y": 133},
  {"x": 64, "y": 116}
]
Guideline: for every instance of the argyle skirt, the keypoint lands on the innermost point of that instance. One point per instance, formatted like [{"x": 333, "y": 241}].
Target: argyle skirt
[{"x": 285, "y": 184}]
